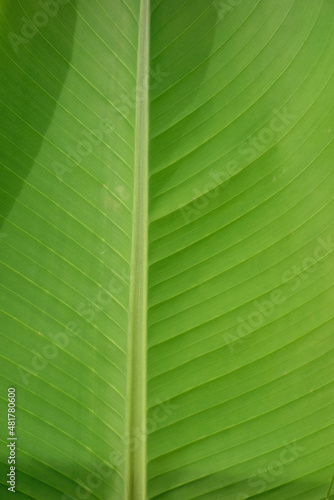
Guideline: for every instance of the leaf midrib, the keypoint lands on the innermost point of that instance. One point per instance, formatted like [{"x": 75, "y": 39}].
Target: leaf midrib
[{"x": 136, "y": 412}]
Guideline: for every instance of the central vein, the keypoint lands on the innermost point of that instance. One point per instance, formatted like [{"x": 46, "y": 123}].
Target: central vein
[{"x": 136, "y": 432}]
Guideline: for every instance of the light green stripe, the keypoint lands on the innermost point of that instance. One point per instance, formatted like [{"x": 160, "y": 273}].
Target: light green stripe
[{"x": 136, "y": 446}]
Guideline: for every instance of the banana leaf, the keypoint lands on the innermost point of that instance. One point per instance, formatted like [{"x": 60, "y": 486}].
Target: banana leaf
[{"x": 166, "y": 248}]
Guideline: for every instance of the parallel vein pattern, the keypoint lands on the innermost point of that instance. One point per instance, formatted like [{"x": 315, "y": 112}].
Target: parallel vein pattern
[
  {"x": 196, "y": 135},
  {"x": 67, "y": 157},
  {"x": 240, "y": 250}
]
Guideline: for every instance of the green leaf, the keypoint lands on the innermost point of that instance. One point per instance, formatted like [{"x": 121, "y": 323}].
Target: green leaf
[{"x": 166, "y": 249}]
